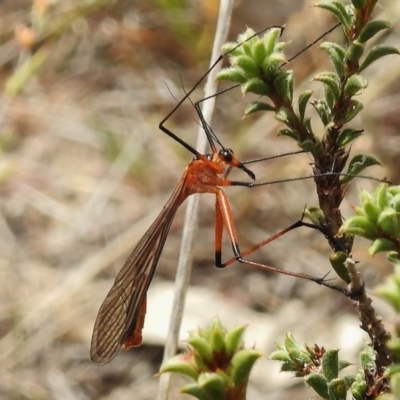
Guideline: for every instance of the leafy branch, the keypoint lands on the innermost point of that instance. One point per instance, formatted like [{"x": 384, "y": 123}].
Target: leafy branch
[{"x": 257, "y": 66}]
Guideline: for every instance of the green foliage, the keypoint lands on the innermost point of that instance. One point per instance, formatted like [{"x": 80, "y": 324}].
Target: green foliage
[
  {"x": 257, "y": 65},
  {"x": 321, "y": 368},
  {"x": 378, "y": 219},
  {"x": 217, "y": 360}
]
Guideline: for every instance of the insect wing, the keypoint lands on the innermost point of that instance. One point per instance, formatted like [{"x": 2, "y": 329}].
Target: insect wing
[{"x": 118, "y": 315}]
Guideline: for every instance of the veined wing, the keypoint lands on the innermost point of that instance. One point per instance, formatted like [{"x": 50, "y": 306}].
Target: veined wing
[{"x": 119, "y": 313}]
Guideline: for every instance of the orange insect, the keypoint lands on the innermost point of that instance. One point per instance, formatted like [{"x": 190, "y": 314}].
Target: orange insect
[{"x": 121, "y": 316}]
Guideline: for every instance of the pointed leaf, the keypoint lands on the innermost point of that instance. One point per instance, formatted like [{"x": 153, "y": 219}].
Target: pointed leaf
[
  {"x": 272, "y": 64},
  {"x": 233, "y": 340},
  {"x": 258, "y": 106},
  {"x": 382, "y": 196},
  {"x": 360, "y": 226},
  {"x": 319, "y": 384},
  {"x": 256, "y": 86},
  {"x": 202, "y": 347},
  {"x": 358, "y": 163},
  {"x": 347, "y": 135},
  {"x": 337, "y": 389},
  {"x": 288, "y": 132},
  {"x": 356, "y": 107},
  {"x": 214, "y": 385},
  {"x": 371, "y": 29},
  {"x": 358, "y": 4},
  {"x": 247, "y": 64},
  {"x": 337, "y": 261},
  {"x": 285, "y": 115},
  {"x": 242, "y": 363},
  {"x": 355, "y": 84},
  {"x": 283, "y": 85},
  {"x": 330, "y": 364},
  {"x": 388, "y": 221},
  {"x": 303, "y": 101},
  {"x": 259, "y": 52},
  {"x": 338, "y": 9},
  {"x": 337, "y": 54},
  {"x": 354, "y": 53},
  {"x": 323, "y": 110},
  {"x": 270, "y": 40},
  {"x": 233, "y": 74},
  {"x": 331, "y": 80},
  {"x": 196, "y": 391},
  {"x": 380, "y": 245},
  {"x": 376, "y": 53}
]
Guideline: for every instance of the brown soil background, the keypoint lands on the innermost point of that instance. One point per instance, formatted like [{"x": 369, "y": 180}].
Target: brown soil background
[{"x": 84, "y": 171}]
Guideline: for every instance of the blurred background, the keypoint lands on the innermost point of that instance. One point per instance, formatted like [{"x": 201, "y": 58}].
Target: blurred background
[{"x": 84, "y": 171}]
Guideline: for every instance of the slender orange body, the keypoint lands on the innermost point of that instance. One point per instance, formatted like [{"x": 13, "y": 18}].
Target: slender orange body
[{"x": 121, "y": 316}]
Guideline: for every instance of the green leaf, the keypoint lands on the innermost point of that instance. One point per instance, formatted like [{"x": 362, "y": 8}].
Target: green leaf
[
  {"x": 231, "y": 48},
  {"x": 393, "y": 257},
  {"x": 356, "y": 107},
  {"x": 196, "y": 391},
  {"x": 259, "y": 52},
  {"x": 360, "y": 226},
  {"x": 338, "y": 9},
  {"x": 371, "y": 210},
  {"x": 256, "y": 86},
  {"x": 354, "y": 53},
  {"x": 270, "y": 40},
  {"x": 285, "y": 115},
  {"x": 247, "y": 64},
  {"x": 271, "y": 65},
  {"x": 283, "y": 85},
  {"x": 371, "y": 29},
  {"x": 290, "y": 342},
  {"x": 342, "y": 365},
  {"x": 319, "y": 384},
  {"x": 395, "y": 202},
  {"x": 315, "y": 215},
  {"x": 388, "y": 221},
  {"x": 288, "y": 132},
  {"x": 337, "y": 389},
  {"x": 337, "y": 261},
  {"x": 242, "y": 363},
  {"x": 367, "y": 358},
  {"x": 347, "y": 135},
  {"x": 303, "y": 101},
  {"x": 357, "y": 164},
  {"x": 337, "y": 54},
  {"x": 358, "y": 4},
  {"x": 330, "y": 364},
  {"x": 258, "y": 106},
  {"x": 359, "y": 388},
  {"x": 381, "y": 245},
  {"x": 232, "y": 74},
  {"x": 381, "y": 195},
  {"x": 391, "y": 293},
  {"x": 280, "y": 355},
  {"x": 217, "y": 341},
  {"x": 331, "y": 80},
  {"x": 376, "y": 53},
  {"x": 179, "y": 365},
  {"x": 323, "y": 110},
  {"x": 233, "y": 340},
  {"x": 355, "y": 84},
  {"x": 214, "y": 385},
  {"x": 201, "y": 347}
]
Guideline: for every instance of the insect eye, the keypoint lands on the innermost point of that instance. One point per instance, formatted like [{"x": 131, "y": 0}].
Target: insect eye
[{"x": 226, "y": 154}]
